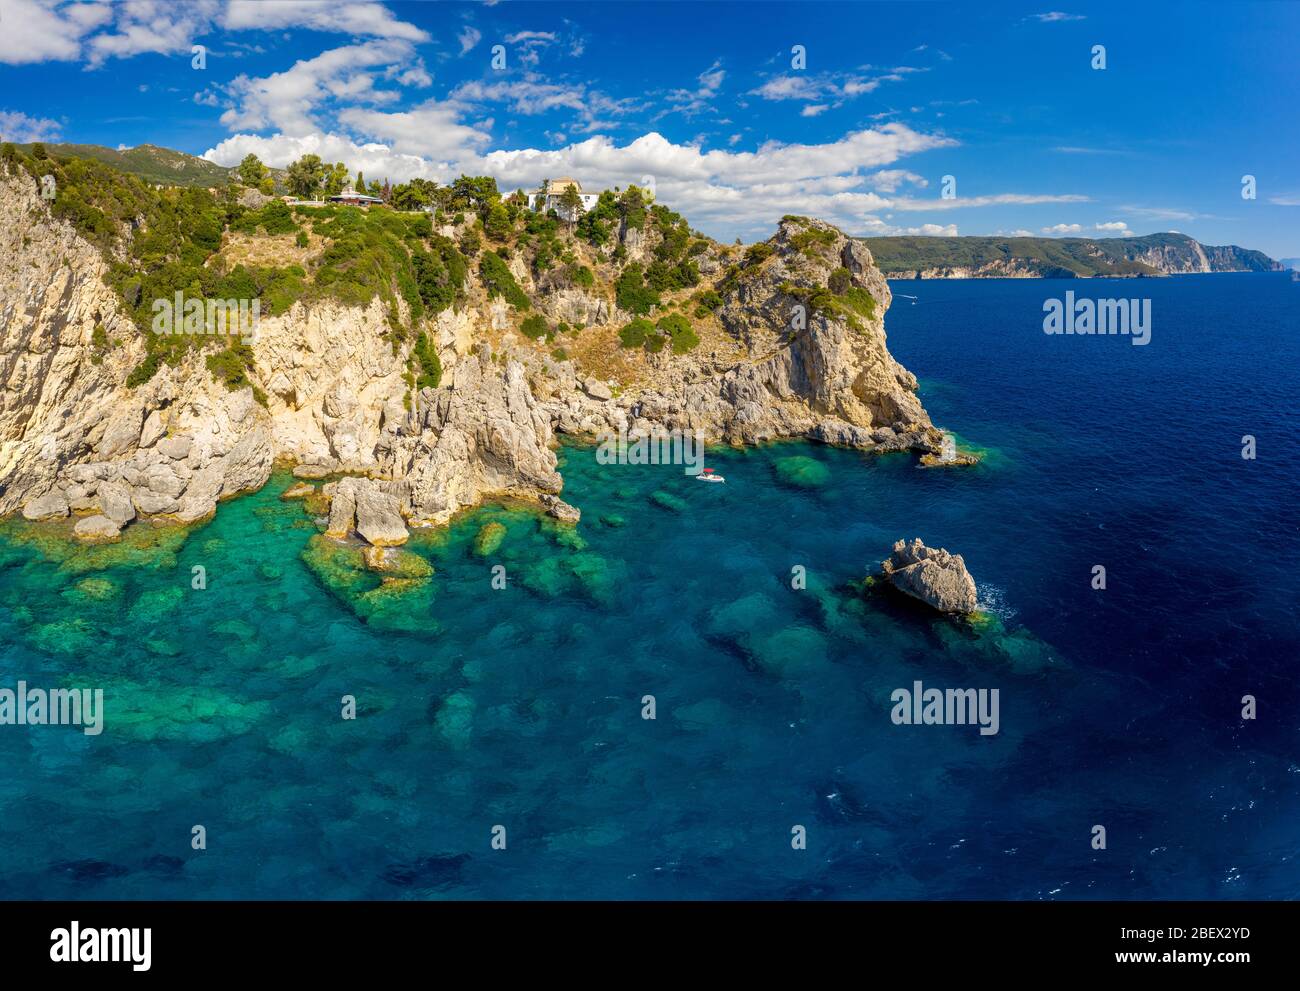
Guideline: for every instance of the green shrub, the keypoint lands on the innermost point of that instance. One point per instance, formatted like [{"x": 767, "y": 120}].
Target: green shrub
[
  {"x": 812, "y": 240},
  {"x": 430, "y": 365},
  {"x": 840, "y": 281},
  {"x": 679, "y": 331},
  {"x": 534, "y": 327},
  {"x": 498, "y": 281},
  {"x": 634, "y": 334},
  {"x": 632, "y": 293},
  {"x": 757, "y": 253},
  {"x": 706, "y": 302}
]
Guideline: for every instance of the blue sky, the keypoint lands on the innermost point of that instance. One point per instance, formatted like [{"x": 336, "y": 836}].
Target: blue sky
[{"x": 706, "y": 99}]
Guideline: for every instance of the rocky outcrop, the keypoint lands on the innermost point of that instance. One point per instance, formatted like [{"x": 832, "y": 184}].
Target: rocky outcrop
[
  {"x": 825, "y": 374},
  {"x": 484, "y": 433},
  {"x": 373, "y": 509},
  {"x": 932, "y": 575}
]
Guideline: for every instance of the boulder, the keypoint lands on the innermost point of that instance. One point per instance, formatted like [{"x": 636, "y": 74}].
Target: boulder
[
  {"x": 379, "y": 516},
  {"x": 115, "y": 502},
  {"x": 52, "y": 505},
  {"x": 373, "y": 508},
  {"x": 597, "y": 389},
  {"x": 95, "y": 529},
  {"x": 152, "y": 503},
  {"x": 153, "y": 429},
  {"x": 176, "y": 448},
  {"x": 560, "y": 510},
  {"x": 932, "y": 575}
]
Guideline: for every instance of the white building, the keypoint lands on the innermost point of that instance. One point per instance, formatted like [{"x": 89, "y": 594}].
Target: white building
[{"x": 548, "y": 197}]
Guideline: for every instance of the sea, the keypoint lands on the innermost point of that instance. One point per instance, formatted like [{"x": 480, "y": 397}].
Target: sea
[{"x": 690, "y": 694}]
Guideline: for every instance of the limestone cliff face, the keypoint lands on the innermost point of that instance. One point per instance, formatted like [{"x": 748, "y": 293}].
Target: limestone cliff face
[
  {"x": 77, "y": 443},
  {"x": 827, "y": 376},
  {"x": 71, "y": 432}
]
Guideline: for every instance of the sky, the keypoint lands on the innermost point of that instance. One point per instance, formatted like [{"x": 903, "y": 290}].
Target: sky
[{"x": 735, "y": 113}]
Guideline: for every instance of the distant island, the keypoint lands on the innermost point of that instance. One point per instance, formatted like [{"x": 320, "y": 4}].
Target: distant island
[{"x": 1059, "y": 258}]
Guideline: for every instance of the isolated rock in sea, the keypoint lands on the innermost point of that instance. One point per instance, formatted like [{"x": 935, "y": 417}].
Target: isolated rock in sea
[
  {"x": 560, "y": 510},
  {"x": 932, "y": 575}
]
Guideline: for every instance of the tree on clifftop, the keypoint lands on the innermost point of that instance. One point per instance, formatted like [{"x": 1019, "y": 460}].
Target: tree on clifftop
[
  {"x": 305, "y": 176},
  {"x": 251, "y": 171},
  {"x": 571, "y": 204}
]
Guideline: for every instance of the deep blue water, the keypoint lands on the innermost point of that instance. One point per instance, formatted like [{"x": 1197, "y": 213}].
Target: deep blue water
[{"x": 522, "y": 707}]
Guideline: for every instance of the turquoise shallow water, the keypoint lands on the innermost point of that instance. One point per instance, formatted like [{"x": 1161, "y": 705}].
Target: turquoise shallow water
[{"x": 522, "y": 707}]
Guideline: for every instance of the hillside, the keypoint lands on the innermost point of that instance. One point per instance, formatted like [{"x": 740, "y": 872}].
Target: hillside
[
  {"x": 150, "y": 162},
  {"x": 1072, "y": 257}
]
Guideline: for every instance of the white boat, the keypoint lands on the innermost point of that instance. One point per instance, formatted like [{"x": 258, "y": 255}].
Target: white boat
[{"x": 707, "y": 475}]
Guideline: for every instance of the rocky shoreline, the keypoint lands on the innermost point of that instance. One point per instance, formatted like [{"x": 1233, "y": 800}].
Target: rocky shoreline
[{"x": 76, "y": 442}]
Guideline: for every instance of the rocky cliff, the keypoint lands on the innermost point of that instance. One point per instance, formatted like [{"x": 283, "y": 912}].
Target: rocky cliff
[{"x": 794, "y": 347}]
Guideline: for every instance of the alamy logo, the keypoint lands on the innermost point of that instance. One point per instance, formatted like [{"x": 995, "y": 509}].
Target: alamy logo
[
  {"x": 920, "y": 706},
  {"x": 1102, "y": 316},
  {"x": 53, "y": 707},
  {"x": 77, "y": 945},
  {"x": 661, "y": 447},
  {"x": 228, "y": 317}
]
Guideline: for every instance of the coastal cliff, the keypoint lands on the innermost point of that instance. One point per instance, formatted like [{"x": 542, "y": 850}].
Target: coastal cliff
[
  {"x": 438, "y": 397},
  {"x": 1060, "y": 258}
]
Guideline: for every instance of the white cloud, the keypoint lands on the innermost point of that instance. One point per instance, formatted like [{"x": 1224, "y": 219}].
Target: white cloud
[
  {"x": 1159, "y": 213},
  {"x": 18, "y": 127},
  {"x": 288, "y": 100},
  {"x": 431, "y": 130},
  {"x": 813, "y": 109},
  {"x": 50, "y": 30},
  {"x": 377, "y": 160},
  {"x": 827, "y": 86},
  {"x": 876, "y": 227},
  {"x": 1057, "y": 16},
  {"x": 1292, "y": 200},
  {"x": 152, "y": 26},
  {"x": 468, "y": 38},
  {"x": 1113, "y": 227},
  {"x": 37, "y": 32},
  {"x": 1062, "y": 229},
  {"x": 999, "y": 199},
  {"x": 889, "y": 180},
  {"x": 728, "y": 192},
  {"x": 529, "y": 96},
  {"x": 364, "y": 19},
  {"x": 530, "y": 45},
  {"x": 692, "y": 101}
]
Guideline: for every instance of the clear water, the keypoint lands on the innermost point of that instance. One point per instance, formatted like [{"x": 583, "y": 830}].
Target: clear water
[{"x": 522, "y": 707}]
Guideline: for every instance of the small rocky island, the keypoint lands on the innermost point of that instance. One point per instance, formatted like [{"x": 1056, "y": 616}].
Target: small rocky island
[{"x": 931, "y": 574}]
